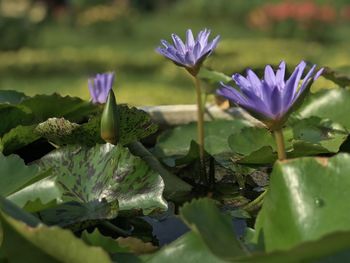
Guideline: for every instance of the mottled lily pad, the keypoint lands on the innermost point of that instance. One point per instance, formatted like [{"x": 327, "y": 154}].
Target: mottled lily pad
[
  {"x": 134, "y": 125},
  {"x": 104, "y": 173}
]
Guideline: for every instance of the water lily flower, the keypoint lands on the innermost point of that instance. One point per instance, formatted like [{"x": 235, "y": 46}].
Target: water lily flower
[
  {"x": 190, "y": 54},
  {"x": 272, "y": 98},
  {"x": 100, "y": 86}
]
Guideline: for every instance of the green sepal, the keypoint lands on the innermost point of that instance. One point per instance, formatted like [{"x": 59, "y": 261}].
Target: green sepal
[{"x": 110, "y": 120}]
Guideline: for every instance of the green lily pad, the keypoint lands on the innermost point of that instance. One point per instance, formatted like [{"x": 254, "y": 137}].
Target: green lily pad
[
  {"x": 199, "y": 214},
  {"x": 188, "y": 248},
  {"x": 11, "y": 96},
  {"x": 331, "y": 104},
  {"x": 309, "y": 136},
  {"x": 306, "y": 201},
  {"x": 48, "y": 106},
  {"x": 17, "y": 138},
  {"x": 176, "y": 142},
  {"x": 340, "y": 76},
  {"x": 212, "y": 240},
  {"x": 15, "y": 175},
  {"x": 78, "y": 215},
  {"x": 37, "y": 196},
  {"x": 39, "y": 108},
  {"x": 13, "y": 115},
  {"x": 213, "y": 76},
  {"x": 105, "y": 172},
  {"x": 96, "y": 239},
  {"x": 23, "y": 243},
  {"x": 134, "y": 125}
]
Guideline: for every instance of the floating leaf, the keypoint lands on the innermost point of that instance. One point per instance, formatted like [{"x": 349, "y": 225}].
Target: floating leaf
[
  {"x": 77, "y": 215},
  {"x": 11, "y": 96},
  {"x": 188, "y": 248},
  {"x": 176, "y": 142},
  {"x": 134, "y": 125},
  {"x": 213, "y": 76},
  {"x": 13, "y": 115},
  {"x": 309, "y": 136},
  {"x": 96, "y": 239},
  {"x": 200, "y": 246},
  {"x": 216, "y": 230},
  {"x": 14, "y": 174},
  {"x": 136, "y": 245},
  {"x": 48, "y": 106},
  {"x": 17, "y": 138},
  {"x": 23, "y": 243},
  {"x": 339, "y": 76},
  {"x": 38, "y": 196},
  {"x": 331, "y": 104},
  {"x": 105, "y": 172},
  {"x": 306, "y": 201}
]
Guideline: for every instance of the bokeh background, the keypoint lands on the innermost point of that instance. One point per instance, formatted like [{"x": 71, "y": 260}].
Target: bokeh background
[{"x": 55, "y": 45}]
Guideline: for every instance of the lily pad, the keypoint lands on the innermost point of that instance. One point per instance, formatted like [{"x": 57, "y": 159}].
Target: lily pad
[
  {"x": 176, "y": 142},
  {"x": 134, "y": 125},
  {"x": 37, "y": 196},
  {"x": 48, "y": 106},
  {"x": 11, "y": 96},
  {"x": 23, "y": 243},
  {"x": 303, "y": 137},
  {"x": 188, "y": 248},
  {"x": 13, "y": 115},
  {"x": 17, "y": 138},
  {"x": 105, "y": 172},
  {"x": 15, "y": 175},
  {"x": 199, "y": 245},
  {"x": 306, "y": 201},
  {"x": 225, "y": 246},
  {"x": 213, "y": 76},
  {"x": 331, "y": 104},
  {"x": 340, "y": 76}
]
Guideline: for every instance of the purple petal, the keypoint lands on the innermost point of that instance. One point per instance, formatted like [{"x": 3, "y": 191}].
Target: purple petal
[
  {"x": 269, "y": 76},
  {"x": 255, "y": 104},
  {"x": 305, "y": 82},
  {"x": 197, "y": 51},
  {"x": 318, "y": 73},
  {"x": 189, "y": 59},
  {"x": 179, "y": 45},
  {"x": 231, "y": 94},
  {"x": 255, "y": 82},
  {"x": 189, "y": 39},
  {"x": 241, "y": 81},
  {"x": 292, "y": 84},
  {"x": 212, "y": 45},
  {"x": 280, "y": 74},
  {"x": 276, "y": 102},
  {"x": 169, "y": 55},
  {"x": 203, "y": 37}
]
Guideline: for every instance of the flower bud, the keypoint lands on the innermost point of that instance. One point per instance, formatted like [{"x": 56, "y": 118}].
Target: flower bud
[{"x": 110, "y": 120}]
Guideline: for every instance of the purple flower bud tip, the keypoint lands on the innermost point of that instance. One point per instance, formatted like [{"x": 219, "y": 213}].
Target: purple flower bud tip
[
  {"x": 271, "y": 98},
  {"x": 190, "y": 54},
  {"x": 99, "y": 87}
]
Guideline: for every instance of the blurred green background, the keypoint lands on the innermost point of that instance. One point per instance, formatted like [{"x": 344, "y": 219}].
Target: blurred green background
[{"x": 54, "y": 46}]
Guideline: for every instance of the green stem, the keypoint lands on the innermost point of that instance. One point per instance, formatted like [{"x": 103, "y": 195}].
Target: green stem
[
  {"x": 115, "y": 229},
  {"x": 174, "y": 186},
  {"x": 256, "y": 203},
  {"x": 200, "y": 128},
  {"x": 281, "y": 150}
]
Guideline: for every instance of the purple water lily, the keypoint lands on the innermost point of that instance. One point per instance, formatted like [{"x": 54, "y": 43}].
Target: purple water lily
[
  {"x": 100, "y": 86},
  {"x": 271, "y": 98},
  {"x": 190, "y": 54}
]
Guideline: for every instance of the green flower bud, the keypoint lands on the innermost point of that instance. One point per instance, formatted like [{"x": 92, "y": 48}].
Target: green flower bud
[{"x": 110, "y": 120}]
